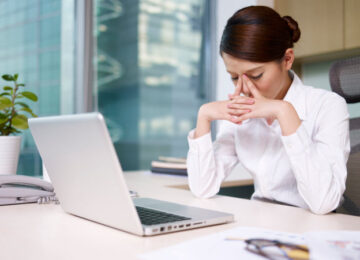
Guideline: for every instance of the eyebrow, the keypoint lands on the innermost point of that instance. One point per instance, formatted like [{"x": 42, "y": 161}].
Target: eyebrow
[{"x": 253, "y": 69}]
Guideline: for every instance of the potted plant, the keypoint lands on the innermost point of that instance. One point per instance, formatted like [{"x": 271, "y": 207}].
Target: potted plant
[{"x": 13, "y": 119}]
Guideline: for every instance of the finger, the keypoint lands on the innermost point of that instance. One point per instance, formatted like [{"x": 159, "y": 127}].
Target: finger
[
  {"x": 238, "y": 112},
  {"x": 246, "y": 90},
  {"x": 238, "y": 87},
  {"x": 246, "y": 116},
  {"x": 251, "y": 87},
  {"x": 237, "y": 90},
  {"x": 232, "y": 96},
  {"x": 235, "y": 119},
  {"x": 239, "y": 106},
  {"x": 242, "y": 100}
]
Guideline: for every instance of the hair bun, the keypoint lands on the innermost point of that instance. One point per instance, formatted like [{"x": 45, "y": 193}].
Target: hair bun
[{"x": 294, "y": 27}]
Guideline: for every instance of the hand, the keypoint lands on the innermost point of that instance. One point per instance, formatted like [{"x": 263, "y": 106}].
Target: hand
[
  {"x": 261, "y": 107},
  {"x": 238, "y": 90},
  {"x": 217, "y": 110}
]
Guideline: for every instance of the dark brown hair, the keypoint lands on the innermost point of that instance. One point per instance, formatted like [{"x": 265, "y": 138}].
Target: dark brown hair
[{"x": 259, "y": 34}]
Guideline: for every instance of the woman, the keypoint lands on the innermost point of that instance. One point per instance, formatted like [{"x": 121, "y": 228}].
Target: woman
[{"x": 292, "y": 138}]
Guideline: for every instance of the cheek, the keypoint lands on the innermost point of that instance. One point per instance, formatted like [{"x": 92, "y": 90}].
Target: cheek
[{"x": 265, "y": 85}]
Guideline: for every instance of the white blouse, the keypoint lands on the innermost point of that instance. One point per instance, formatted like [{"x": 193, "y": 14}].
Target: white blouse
[{"x": 306, "y": 169}]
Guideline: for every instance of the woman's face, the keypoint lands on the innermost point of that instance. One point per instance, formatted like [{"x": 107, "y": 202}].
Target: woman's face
[{"x": 270, "y": 78}]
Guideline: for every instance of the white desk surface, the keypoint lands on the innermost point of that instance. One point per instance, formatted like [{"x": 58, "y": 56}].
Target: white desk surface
[{"x": 35, "y": 231}]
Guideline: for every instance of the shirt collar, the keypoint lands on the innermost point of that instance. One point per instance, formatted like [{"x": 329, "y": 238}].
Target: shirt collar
[{"x": 296, "y": 97}]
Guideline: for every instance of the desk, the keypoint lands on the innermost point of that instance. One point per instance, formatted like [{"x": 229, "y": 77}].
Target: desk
[{"x": 46, "y": 232}]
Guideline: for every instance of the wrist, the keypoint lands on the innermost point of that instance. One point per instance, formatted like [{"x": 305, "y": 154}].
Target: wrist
[
  {"x": 288, "y": 118},
  {"x": 203, "y": 124},
  {"x": 203, "y": 114},
  {"x": 281, "y": 109}
]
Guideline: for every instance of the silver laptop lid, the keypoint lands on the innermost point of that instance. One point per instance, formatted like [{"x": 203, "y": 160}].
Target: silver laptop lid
[{"x": 77, "y": 149}]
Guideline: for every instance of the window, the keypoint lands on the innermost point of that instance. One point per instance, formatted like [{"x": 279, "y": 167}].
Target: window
[
  {"x": 150, "y": 75},
  {"x": 30, "y": 45},
  {"x": 151, "y": 69}
]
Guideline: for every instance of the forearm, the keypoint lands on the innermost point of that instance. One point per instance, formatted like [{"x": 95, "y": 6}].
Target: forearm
[
  {"x": 319, "y": 168},
  {"x": 210, "y": 163},
  {"x": 288, "y": 118},
  {"x": 203, "y": 124}
]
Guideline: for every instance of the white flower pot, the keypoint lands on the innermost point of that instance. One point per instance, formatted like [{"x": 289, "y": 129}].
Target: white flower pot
[{"x": 9, "y": 154}]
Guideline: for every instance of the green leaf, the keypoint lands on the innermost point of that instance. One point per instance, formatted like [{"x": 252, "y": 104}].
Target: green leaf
[
  {"x": 21, "y": 85},
  {"x": 26, "y": 109},
  {"x": 13, "y": 130},
  {"x": 5, "y": 103},
  {"x": 3, "y": 118},
  {"x": 20, "y": 122},
  {"x": 29, "y": 95},
  {"x": 8, "y": 88},
  {"x": 16, "y": 76},
  {"x": 22, "y": 104},
  {"x": 8, "y": 77},
  {"x": 5, "y": 94}
]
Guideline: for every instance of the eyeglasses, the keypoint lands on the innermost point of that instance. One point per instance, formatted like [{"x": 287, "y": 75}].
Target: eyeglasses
[{"x": 276, "y": 250}]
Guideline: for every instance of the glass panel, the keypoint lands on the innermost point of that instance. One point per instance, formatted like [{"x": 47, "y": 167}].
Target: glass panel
[
  {"x": 149, "y": 75},
  {"x": 31, "y": 46}
]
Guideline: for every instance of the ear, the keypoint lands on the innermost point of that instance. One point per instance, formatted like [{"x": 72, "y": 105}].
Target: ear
[{"x": 288, "y": 58}]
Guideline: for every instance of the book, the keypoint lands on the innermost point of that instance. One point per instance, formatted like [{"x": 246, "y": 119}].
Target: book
[
  {"x": 172, "y": 159},
  {"x": 169, "y": 165}
]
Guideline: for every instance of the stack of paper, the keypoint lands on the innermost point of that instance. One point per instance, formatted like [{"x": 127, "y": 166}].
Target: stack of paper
[{"x": 169, "y": 165}]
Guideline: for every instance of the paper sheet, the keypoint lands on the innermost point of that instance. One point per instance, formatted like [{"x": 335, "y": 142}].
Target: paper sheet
[
  {"x": 217, "y": 247},
  {"x": 342, "y": 245}
]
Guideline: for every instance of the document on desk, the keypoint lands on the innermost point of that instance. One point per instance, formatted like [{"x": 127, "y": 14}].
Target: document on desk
[
  {"x": 334, "y": 244},
  {"x": 219, "y": 246}
]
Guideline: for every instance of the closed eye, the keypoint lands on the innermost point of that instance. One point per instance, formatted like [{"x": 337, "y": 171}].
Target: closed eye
[{"x": 256, "y": 77}]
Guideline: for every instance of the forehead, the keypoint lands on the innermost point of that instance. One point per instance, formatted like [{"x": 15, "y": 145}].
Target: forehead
[{"x": 236, "y": 65}]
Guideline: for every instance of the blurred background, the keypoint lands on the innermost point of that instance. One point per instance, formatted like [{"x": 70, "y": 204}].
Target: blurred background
[{"x": 148, "y": 65}]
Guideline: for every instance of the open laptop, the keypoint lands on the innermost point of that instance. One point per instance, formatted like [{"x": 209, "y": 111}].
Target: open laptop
[{"x": 83, "y": 166}]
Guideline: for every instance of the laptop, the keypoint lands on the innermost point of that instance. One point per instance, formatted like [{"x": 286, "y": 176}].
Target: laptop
[{"x": 85, "y": 171}]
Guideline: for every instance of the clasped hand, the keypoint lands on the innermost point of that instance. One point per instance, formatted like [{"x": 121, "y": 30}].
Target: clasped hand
[{"x": 255, "y": 105}]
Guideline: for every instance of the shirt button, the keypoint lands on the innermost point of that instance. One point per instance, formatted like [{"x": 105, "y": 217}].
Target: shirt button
[{"x": 290, "y": 145}]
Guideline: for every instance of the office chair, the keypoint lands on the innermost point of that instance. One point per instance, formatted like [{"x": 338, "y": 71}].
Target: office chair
[{"x": 345, "y": 80}]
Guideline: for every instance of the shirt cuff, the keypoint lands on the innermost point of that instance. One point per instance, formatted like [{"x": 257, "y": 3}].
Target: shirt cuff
[
  {"x": 200, "y": 144},
  {"x": 297, "y": 142}
]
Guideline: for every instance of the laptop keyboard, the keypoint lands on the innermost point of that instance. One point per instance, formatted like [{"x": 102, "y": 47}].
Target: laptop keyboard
[{"x": 154, "y": 217}]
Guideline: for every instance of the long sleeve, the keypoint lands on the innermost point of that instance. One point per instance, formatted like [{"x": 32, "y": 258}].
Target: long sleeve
[
  {"x": 210, "y": 163},
  {"x": 318, "y": 159}
]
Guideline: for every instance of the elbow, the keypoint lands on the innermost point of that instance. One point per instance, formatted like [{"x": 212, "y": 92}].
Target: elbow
[
  {"x": 203, "y": 193},
  {"x": 203, "y": 190},
  {"x": 326, "y": 205},
  {"x": 202, "y": 186},
  {"x": 321, "y": 210}
]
